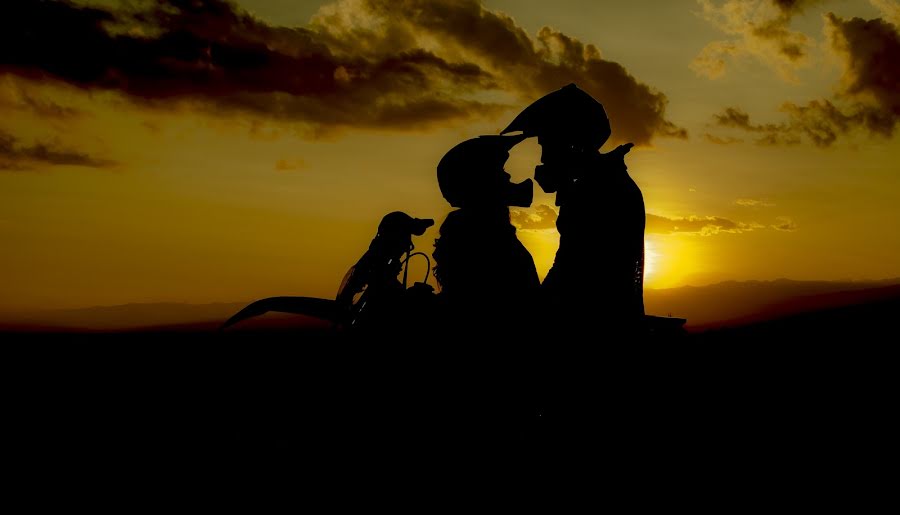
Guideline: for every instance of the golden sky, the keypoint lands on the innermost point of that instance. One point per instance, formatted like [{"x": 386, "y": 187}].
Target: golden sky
[{"x": 203, "y": 151}]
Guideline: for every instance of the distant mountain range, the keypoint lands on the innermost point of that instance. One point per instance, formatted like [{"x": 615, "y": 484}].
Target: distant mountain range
[
  {"x": 726, "y": 304},
  {"x": 734, "y": 303}
]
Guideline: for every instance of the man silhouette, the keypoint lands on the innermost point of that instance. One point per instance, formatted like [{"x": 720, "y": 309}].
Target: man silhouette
[
  {"x": 597, "y": 276},
  {"x": 595, "y": 288}
]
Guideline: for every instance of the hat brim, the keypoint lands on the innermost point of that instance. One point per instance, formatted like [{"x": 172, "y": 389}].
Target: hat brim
[
  {"x": 419, "y": 225},
  {"x": 567, "y": 112}
]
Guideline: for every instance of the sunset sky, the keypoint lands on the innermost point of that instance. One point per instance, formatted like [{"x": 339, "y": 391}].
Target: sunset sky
[{"x": 203, "y": 151}]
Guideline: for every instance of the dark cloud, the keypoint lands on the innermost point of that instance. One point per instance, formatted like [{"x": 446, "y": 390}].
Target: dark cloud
[
  {"x": 734, "y": 117},
  {"x": 541, "y": 218},
  {"x": 820, "y": 121},
  {"x": 14, "y": 156},
  {"x": 705, "y": 225},
  {"x": 769, "y": 133},
  {"x": 403, "y": 64},
  {"x": 208, "y": 52},
  {"x": 519, "y": 64},
  {"x": 871, "y": 54},
  {"x": 794, "y": 6},
  {"x": 868, "y": 95}
]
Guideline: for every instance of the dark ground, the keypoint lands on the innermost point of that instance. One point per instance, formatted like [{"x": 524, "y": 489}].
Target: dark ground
[{"x": 810, "y": 396}]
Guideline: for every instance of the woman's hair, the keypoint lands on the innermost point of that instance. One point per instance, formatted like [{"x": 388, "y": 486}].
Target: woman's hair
[{"x": 447, "y": 252}]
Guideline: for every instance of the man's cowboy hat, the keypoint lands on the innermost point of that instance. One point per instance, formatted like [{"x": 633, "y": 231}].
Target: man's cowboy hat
[{"x": 568, "y": 113}]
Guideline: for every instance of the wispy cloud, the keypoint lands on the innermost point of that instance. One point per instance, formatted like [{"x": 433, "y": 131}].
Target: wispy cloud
[
  {"x": 751, "y": 202},
  {"x": 712, "y": 225},
  {"x": 15, "y": 96},
  {"x": 867, "y": 97},
  {"x": 17, "y": 157},
  {"x": 718, "y": 140},
  {"x": 759, "y": 29},
  {"x": 704, "y": 225},
  {"x": 541, "y": 217},
  {"x": 290, "y": 165},
  {"x": 784, "y": 224}
]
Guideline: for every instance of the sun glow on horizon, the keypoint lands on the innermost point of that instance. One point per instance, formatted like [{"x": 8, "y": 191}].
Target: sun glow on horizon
[
  {"x": 650, "y": 259},
  {"x": 658, "y": 271}
]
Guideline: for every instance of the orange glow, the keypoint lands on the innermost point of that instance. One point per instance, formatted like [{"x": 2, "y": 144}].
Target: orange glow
[
  {"x": 542, "y": 245},
  {"x": 650, "y": 257},
  {"x": 671, "y": 260}
]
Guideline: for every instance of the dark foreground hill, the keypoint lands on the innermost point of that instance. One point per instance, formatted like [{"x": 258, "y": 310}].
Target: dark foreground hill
[
  {"x": 811, "y": 393},
  {"x": 738, "y": 303}
]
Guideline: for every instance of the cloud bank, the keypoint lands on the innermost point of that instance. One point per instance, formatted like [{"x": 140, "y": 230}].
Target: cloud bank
[{"x": 361, "y": 64}]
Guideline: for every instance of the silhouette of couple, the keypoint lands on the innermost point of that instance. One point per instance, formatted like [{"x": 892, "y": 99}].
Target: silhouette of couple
[
  {"x": 490, "y": 287},
  {"x": 488, "y": 278}
]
